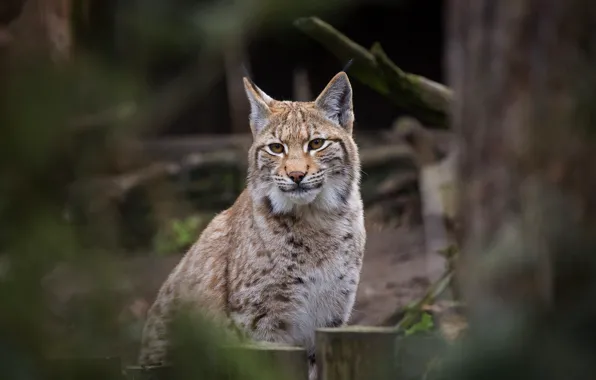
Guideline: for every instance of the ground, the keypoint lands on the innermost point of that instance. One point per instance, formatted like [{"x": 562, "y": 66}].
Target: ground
[{"x": 396, "y": 271}]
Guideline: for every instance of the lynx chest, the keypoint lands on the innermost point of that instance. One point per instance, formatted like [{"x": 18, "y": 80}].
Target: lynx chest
[{"x": 308, "y": 279}]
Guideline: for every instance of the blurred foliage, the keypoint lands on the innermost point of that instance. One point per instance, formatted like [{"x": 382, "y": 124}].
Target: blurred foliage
[
  {"x": 179, "y": 234},
  {"x": 192, "y": 339},
  {"x": 425, "y": 324}
]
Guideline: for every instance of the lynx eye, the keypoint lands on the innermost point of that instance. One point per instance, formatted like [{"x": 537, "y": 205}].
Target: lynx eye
[
  {"x": 316, "y": 144},
  {"x": 276, "y": 148}
]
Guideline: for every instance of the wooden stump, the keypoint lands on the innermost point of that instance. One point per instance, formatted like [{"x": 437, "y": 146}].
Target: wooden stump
[
  {"x": 356, "y": 353},
  {"x": 420, "y": 355},
  {"x": 289, "y": 361}
]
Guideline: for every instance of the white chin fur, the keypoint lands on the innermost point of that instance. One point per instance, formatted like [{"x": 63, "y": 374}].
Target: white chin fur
[
  {"x": 279, "y": 202},
  {"x": 327, "y": 198},
  {"x": 285, "y": 201},
  {"x": 302, "y": 198}
]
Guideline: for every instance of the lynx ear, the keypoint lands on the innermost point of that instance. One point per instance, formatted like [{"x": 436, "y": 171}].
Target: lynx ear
[
  {"x": 259, "y": 106},
  {"x": 336, "y": 101}
]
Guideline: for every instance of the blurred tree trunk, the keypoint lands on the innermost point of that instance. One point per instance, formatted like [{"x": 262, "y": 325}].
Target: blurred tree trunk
[
  {"x": 43, "y": 30},
  {"x": 9, "y": 11},
  {"x": 301, "y": 86},
  {"x": 235, "y": 58},
  {"x": 57, "y": 15},
  {"x": 524, "y": 77}
]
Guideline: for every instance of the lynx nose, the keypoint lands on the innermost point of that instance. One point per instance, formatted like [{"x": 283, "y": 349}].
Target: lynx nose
[{"x": 297, "y": 177}]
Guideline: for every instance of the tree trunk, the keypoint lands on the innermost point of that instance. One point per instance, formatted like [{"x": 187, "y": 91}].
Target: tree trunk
[
  {"x": 524, "y": 77},
  {"x": 301, "y": 86},
  {"x": 43, "y": 30},
  {"x": 356, "y": 353},
  {"x": 234, "y": 58}
]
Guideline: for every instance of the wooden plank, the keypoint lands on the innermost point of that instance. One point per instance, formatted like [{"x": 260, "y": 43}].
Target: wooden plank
[{"x": 356, "y": 353}]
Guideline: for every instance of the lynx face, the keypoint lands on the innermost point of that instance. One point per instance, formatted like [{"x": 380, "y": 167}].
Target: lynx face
[{"x": 303, "y": 152}]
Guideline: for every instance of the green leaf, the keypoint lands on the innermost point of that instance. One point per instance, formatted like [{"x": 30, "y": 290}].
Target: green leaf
[{"x": 424, "y": 325}]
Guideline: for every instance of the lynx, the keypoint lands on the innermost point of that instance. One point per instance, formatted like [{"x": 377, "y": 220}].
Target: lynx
[{"x": 285, "y": 258}]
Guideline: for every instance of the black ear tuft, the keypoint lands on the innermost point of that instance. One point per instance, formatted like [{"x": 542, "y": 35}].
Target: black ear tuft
[{"x": 348, "y": 65}]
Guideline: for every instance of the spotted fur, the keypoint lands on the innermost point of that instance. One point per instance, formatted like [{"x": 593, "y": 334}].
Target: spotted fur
[{"x": 285, "y": 259}]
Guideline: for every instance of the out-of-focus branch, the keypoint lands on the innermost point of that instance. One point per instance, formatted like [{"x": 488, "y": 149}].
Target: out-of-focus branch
[
  {"x": 427, "y": 100},
  {"x": 103, "y": 118}
]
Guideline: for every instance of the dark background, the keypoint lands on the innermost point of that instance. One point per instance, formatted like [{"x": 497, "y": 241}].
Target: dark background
[{"x": 410, "y": 32}]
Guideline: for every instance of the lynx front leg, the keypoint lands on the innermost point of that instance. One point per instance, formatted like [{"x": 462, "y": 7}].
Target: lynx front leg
[{"x": 312, "y": 368}]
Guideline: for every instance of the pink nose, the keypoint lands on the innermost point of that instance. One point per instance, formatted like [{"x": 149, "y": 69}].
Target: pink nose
[{"x": 296, "y": 176}]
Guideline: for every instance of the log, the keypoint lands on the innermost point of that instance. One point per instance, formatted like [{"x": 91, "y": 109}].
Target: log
[
  {"x": 172, "y": 148},
  {"x": 117, "y": 186},
  {"x": 382, "y": 154},
  {"x": 394, "y": 186},
  {"x": 356, "y": 353},
  {"x": 374, "y": 148},
  {"x": 427, "y": 100}
]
